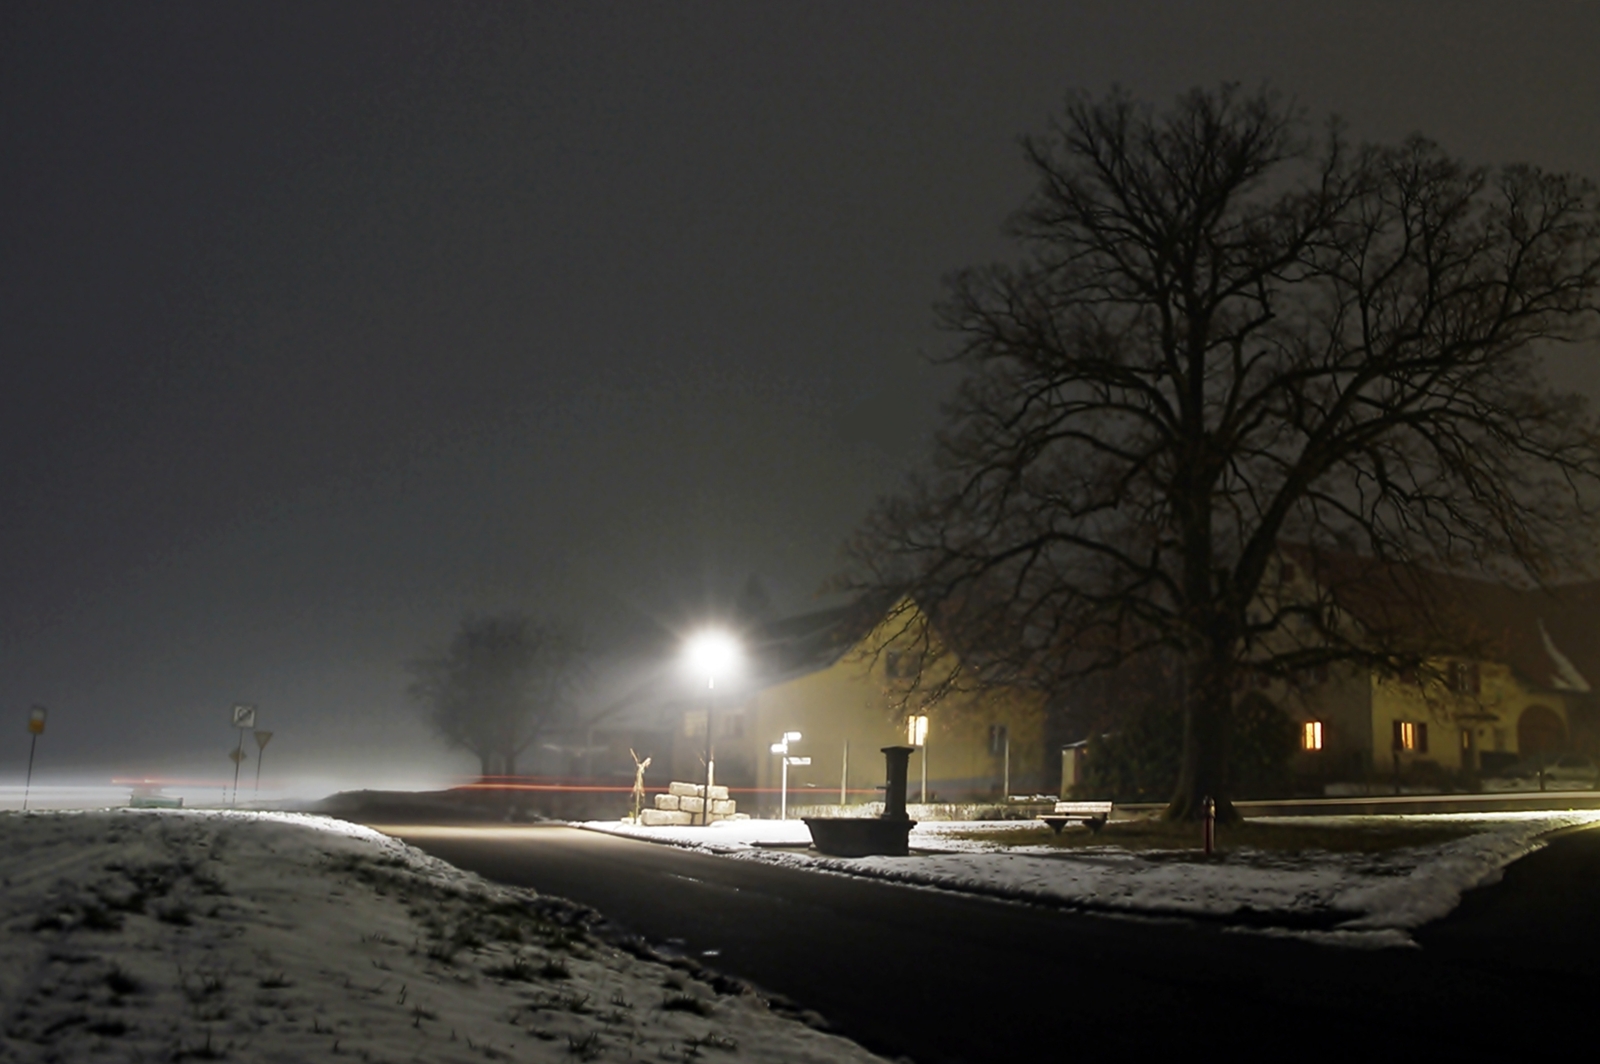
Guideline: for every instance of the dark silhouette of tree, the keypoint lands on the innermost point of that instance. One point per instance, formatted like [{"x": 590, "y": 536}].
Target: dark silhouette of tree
[
  {"x": 1226, "y": 336},
  {"x": 502, "y": 682}
]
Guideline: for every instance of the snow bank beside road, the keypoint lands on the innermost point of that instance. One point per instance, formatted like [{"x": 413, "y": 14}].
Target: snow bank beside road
[
  {"x": 1357, "y": 899},
  {"x": 273, "y": 937}
]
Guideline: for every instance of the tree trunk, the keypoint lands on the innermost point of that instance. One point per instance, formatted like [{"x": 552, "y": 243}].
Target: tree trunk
[{"x": 1207, "y": 716}]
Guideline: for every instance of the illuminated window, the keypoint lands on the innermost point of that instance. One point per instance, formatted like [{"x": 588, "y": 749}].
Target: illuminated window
[
  {"x": 1311, "y": 735},
  {"x": 1411, "y": 735},
  {"x": 917, "y": 730}
]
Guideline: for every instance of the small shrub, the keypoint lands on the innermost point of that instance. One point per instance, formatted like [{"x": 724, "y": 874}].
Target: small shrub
[
  {"x": 179, "y": 915},
  {"x": 99, "y": 918},
  {"x": 714, "y": 1041},
  {"x": 586, "y": 1048},
  {"x": 686, "y": 1003},
  {"x": 120, "y": 982}
]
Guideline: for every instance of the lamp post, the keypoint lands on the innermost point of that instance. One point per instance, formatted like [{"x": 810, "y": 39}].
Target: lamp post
[
  {"x": 783, "y": 748},
  {"x": 35, "y": 729},
  {"x": 917, "y": 736},
  {"x": 711, "y": 653}
]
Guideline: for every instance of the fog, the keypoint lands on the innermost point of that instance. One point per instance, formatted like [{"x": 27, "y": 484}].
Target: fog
[{"x": 325, "y": 327}]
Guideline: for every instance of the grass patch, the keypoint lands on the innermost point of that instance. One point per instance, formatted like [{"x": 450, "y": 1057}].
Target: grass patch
[
  {"x": 686, "y": 1003},
  {"x": 1375, "y": 837},
  {"x": 518, "y": 970}
]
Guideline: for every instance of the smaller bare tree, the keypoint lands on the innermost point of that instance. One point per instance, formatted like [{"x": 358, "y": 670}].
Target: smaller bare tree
[{"x": 502, "y": 682}]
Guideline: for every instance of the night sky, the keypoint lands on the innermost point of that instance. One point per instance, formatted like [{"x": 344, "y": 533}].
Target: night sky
[{"x": 324, "y": 324}]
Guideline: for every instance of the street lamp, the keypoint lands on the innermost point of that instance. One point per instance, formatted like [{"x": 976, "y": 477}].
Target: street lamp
[
  {"x": 711, "y": 653},
  {"x": 917, "y": 736},
  {"x": 783, "y": 748}
]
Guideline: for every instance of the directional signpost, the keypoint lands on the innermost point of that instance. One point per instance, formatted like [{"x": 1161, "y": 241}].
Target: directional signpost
[
  {"x": 783, "y": 748},
  {"x": 36, "y": 717},
  {"x": 244, "y": 718}
]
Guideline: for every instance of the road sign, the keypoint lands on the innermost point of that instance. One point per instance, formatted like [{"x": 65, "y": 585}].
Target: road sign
[
  {"x": 236, "y": 755},
  {"x": 244, "y": 715},
  {"x": 798, "y": 760},
  {"x": 262, "y": 739},
  {"x": 36, "y": 720}
]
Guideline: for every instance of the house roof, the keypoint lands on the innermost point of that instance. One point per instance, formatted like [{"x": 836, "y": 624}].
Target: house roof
[
  {"x": 795, "y": 646},
  {"x": 1549, "y": 636}
]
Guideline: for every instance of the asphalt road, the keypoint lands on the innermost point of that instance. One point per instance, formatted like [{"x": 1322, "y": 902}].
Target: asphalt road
[{"x": 942, "y": 978}]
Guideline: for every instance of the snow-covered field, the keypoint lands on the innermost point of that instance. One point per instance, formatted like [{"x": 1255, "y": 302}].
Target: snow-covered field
[
  {"x": 174, "y": 935},
  {"x": 1356, "y": 899}
]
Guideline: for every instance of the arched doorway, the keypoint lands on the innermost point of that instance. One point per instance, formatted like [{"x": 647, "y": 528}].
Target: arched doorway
[{"x": 1540, "y": 731}]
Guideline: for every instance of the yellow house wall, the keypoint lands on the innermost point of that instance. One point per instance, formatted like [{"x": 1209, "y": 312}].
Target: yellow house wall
[
  {"x": 854, "y": 701},
  {"x": 1501, "y": 699},
  {"x": 827, "y": 708}
]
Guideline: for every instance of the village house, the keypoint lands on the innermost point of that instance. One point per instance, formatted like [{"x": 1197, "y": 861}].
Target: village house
[
  {"x": 1519, "y": 687},
  {"x": 846, "y": 679},
  {"x": 1506, "y": 676}
]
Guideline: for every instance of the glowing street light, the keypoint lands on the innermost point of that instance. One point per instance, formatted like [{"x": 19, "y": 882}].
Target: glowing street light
[
  {"x": 917, "y": 736},
  {"x": 711, "y": 653},
  {"x": 783, "y": 748}
]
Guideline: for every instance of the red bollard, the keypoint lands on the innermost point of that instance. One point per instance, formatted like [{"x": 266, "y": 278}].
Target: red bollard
[{"x": 1210, "y": 826}]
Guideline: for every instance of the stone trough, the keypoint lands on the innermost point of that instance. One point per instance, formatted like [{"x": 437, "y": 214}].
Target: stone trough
[{"x": 886, "y": 835}]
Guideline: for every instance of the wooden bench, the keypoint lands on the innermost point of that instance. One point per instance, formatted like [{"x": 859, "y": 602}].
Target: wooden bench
[{"x": 1091, "y": 814}]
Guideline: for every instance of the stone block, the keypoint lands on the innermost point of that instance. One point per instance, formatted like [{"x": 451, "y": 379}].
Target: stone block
[
  {"x": 692, "y": 805},
  {"x": 719, "y": 793},
  {"x": 667, "y": 801},
  {"x": 722, "y": 808},
  {"x": 686, "y": 790},
  {"x": 658, "y": 818}
]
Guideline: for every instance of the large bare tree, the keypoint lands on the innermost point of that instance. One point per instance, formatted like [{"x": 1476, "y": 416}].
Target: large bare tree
[
  {"x": 502, "y": 682},
  {"x": 1228, "y": 334}
]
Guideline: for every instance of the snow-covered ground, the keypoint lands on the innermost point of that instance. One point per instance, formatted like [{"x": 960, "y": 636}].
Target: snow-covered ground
[
  {"x": 1356, "y": 899},
  {"x": 177, "y": 935}
]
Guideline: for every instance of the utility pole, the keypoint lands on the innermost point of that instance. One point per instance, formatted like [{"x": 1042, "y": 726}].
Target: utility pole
[{"x": 844, "y": 773}]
